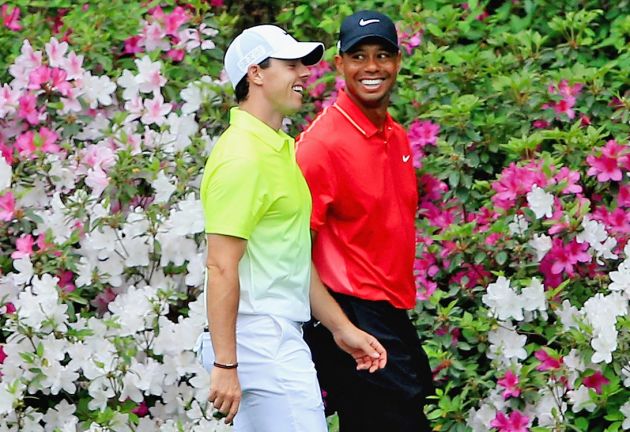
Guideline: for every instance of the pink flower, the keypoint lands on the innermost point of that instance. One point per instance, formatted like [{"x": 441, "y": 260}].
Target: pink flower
[
  {"x": 584, "y": 120},
  {"x": 431, "y": 188},
  {"x": 11, "y": 20},
  {"x": 564, "y": 107},
  {"x": 216, "y": 3},
  {"x": 564, "y": 257},
  {"x": 548, "y": 362},
  {"x": 510, "y": 383},
  {"x": 596, "y": 381},
  {"x": 517, "y": 422},
  {"x": 27, "y": 109},
  {"x": 23, "y": 246},
  {"x": 141, "y": 410},
  {"x": 471, "y": 276},
  {"x": 176, "y": 55},
  {"x": 132, "y": 45},
  {"x": 7, "y": 206},
  {"x": 540, "y": 124},
  {"x": 28, "y": 143},
  {"x": 623, "y": 198},
  {"x": 3, "y": 355},
  {"x": 605, "y": 168},
  {"x": 38, "y": 76},
  {"x": 174, "y": 20},
  {"x": 66, "y": 281},
  {"x": 571, "y": 178},
  {"x": 421, "y": 133},
  {"x": 410, "y": 41},
  {"x": 618, "y": 221},
  {"x": 515, "y": 182}
]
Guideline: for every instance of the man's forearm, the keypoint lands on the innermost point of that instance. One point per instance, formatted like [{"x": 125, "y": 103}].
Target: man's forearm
[
  {"x": 222, "y": 305},
  {"x": 324, "y": 307}
]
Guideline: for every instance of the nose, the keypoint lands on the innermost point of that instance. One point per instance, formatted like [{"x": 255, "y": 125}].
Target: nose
[
  {"x": 371, "y": 64},
  {"x": 303, "y": 70}
]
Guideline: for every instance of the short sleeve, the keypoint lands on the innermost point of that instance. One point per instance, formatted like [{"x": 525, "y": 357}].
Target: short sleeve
[
  {"x": 314, "y": 161},
  {"x": 234, "y": 198}
]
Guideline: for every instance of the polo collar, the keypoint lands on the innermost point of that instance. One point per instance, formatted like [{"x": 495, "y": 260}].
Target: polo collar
[
  {"x": 355, "y": 116},
  {"x": 274, "y": 138}
]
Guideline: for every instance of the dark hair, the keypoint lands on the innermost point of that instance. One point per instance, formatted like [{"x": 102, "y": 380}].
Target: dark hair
[{"x": 242, "y": 88}]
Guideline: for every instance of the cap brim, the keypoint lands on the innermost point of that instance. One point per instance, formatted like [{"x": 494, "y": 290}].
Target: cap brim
[
  {"x": 309, "y": 52},
  {"x": 353, "y": 42}
]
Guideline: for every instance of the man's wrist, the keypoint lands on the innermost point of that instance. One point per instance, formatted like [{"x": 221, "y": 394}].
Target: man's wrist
[{"x": 233, "y": 365}]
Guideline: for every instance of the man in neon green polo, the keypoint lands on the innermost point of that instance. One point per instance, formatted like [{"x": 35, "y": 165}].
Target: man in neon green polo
[{"x": 261, "y": 285}]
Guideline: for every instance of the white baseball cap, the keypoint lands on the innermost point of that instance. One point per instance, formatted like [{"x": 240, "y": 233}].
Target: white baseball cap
[{"x": 258, "y": 43}]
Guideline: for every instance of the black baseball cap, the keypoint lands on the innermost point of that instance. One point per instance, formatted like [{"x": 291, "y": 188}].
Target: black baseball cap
[{"x": 367, "y": 25}]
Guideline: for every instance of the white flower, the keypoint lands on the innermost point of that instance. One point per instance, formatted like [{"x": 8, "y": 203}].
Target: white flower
[
  {"x": 604, "y": 345},
  {"x": 479, "y": 420},
  {"x": 625, "y": 410},
  {"x": 56, "y": 52},
  {"x": 196, "y": 269},
  {"x": 25, "y": 270},
  {"x": 506, "y": 344},
  {"x": 519, "y": 225},
  {"x": 181, "y": 130},
  {"x": 97, "y": 90},
  {"x": 596, "y": 236},
  {"x": 188, "y": 217},
  {"x": 502, "y": 300},
  {"x": 9, "y": 100},
  {"x": 547, "y": 410},
  {"x": 73, "y": 65},
  {"x": 541, "y": 243},
  {"x": 61, "y": 416},
  {"x": 621, "y": 279},
  {"x": 533, "y": 296},
  {"x": 56, "y": 220},
  {"x": 155, "y": 110},
  {"x": 567, "y": 314},
  {"x": 540, "y": 202},
  {"x": 581, "y": 400},
  {"x": 136, "y": 250},
  {"x": 163, "y": 187},
  {"x": 149, "y": 78},
  {"x": 131, "y": 85},
  {"x": 62, "y": 175}
]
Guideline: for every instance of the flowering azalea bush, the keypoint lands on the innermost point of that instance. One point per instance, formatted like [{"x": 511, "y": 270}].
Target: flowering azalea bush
[{"x": 518, "y": 122}]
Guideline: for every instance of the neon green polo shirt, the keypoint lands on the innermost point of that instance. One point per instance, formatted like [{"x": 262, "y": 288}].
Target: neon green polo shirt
[{"x": 252, "y": 188}]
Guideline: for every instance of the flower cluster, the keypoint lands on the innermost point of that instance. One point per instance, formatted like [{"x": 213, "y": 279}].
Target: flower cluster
[{"x": 98, "y": 179}]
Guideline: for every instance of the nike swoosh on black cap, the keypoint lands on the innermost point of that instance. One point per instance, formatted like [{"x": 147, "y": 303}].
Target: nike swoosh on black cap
[{"x": 364, "y": 25}]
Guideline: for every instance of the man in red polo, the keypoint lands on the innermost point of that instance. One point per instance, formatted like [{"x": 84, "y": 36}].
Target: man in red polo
[{"x": 358, "y": 165}]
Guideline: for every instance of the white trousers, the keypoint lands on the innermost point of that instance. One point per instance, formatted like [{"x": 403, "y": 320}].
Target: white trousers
[{"x": 280, "y": 392}]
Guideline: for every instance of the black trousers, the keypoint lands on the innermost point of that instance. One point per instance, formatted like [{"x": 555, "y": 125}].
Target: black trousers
[{"x": 389, "y": 400}]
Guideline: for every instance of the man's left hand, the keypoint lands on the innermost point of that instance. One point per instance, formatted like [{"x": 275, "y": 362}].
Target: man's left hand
[{"x": 363, "y": 347}]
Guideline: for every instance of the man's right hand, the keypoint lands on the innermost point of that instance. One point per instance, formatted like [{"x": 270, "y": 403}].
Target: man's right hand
[{"x": 225, "y": 392}]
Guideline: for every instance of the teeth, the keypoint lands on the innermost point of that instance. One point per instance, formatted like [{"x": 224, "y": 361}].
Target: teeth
[
  {"x": 371, "y": 82},
  {"x": 298, "y": 88}
]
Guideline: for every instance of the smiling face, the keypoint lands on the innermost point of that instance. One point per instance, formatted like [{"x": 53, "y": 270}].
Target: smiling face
[
  {"x": 370, "y": 71},
  {"x": 283, "y": 84}
]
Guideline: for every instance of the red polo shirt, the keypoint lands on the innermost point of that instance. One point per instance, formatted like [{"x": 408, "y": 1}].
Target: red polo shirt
[{"x": 364, "y": 192}]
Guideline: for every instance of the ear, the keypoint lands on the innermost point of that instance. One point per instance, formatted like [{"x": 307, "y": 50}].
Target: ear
[
  {"x": 339, "y": 63},
  {"x": 255, "y": 74},
  {"x": 399, "y": 59}
]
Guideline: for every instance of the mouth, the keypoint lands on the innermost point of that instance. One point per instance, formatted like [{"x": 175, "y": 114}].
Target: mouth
[
  {"x": 298, "y": 89},
  {"x": 371, "y": 83}
]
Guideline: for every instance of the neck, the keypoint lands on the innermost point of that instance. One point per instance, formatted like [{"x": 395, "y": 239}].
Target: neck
[
  {"x": 377, "y": 114},
  {"x": 263, "y": 111}
]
